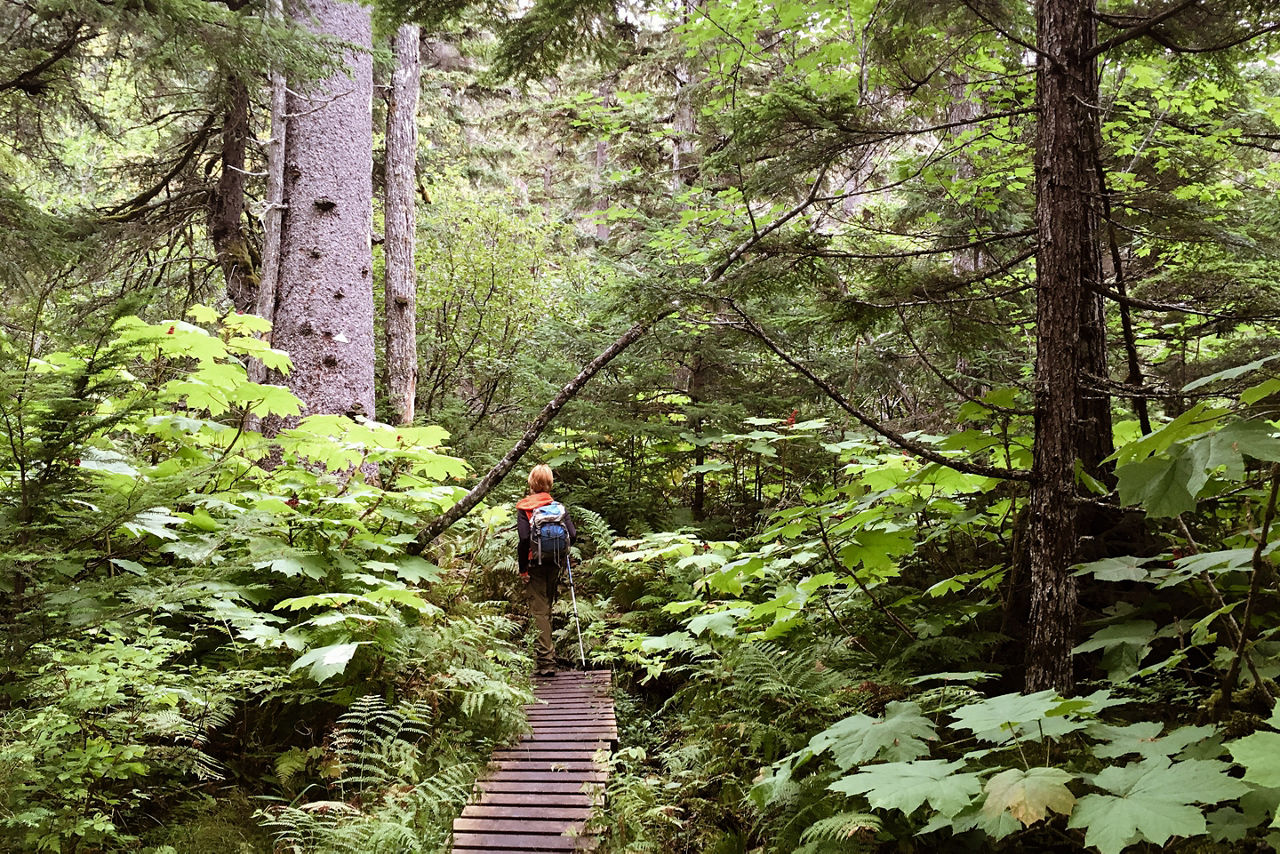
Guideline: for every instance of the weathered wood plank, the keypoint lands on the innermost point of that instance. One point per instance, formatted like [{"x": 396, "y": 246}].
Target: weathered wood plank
[
  {"x": 552, "y": 766},
  {"x": 539, "y": 799},
  {"x": 505, "y": 776},
  {"x": 521, "y": 842},
  {"x": 540, "y": 791},
  {"x": 561, "y": 754},
  {"x": 578, "y": 813},
  {"x": 561, "y": 787},
  {"x": 543, "y": 825}
]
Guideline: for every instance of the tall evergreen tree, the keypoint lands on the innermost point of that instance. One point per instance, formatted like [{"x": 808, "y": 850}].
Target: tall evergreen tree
[
  {"x": 401, "y": 225},
  {"x": 323, "y": 306}
]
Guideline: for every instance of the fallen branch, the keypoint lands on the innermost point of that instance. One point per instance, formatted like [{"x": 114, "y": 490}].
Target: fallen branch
[
  {"x": 495, "y": 475},
  {"x": 923, "y": 451}
]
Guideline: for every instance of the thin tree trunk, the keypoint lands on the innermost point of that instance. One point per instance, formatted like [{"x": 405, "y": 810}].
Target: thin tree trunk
[
  {"x": 227, "y": 202},
  {"x": 1065, "y": 219},
  {"x": 508, "y": 462},
  {"x": 684, "y": 124},
  {"x": 400, "y": 311},
  {"x": 324, "y": 297},
  {"x": 599, "y": 199},
  {"x": 273, "y": 213},
  {"x": 697, "y": 381}
]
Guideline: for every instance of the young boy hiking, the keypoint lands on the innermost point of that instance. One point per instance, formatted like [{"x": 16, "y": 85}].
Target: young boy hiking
[{"x": 546, "y": 532}]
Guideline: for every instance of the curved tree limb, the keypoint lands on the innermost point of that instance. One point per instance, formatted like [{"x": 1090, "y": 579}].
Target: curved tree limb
[
  {"x": 495, "y": 475},
  {"x": 922, "y": 451}
]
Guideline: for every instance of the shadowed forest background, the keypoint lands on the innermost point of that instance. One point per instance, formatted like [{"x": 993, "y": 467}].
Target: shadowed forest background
[{"x": 910, "y": 369}]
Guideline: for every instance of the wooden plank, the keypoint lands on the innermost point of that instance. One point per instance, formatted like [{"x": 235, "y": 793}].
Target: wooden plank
[
  {"x": 556, "y": 826},
  {"x": 573, "y": 710},
  {"x": 541, "y": 790},
  {"x": 551, "y": 766},
  {"x": 526, "y": 811},
  {"x": 535, "y": 799},
  {"x": 576, "y": 776},
  {"x": 599, "y": 735},
  {"x": 541, "y": 721},
  {"x": 521, "y": 842},
  {"x": 557, "y": 755},
  {"x": 527, "y": 742}
]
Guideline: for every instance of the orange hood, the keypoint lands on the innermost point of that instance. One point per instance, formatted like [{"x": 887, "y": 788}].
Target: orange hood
[{"x": 533, "y": 502}]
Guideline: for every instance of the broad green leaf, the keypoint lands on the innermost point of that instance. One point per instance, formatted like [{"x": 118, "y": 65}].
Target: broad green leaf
[
  {"x": 906, "y": 786},
  {"x": 202, "y": 314},
  {"x": 1125, "y": 645},
  {"x": 1193, "y": 422},
  {"x": 1253, "y": 394},
  {"x": 327, "y": 661},
  {"x": 1144, "y": 739},
  {"x": 997, "y": 719},
  {"x": 417, "y": 570},
  {"x": 156, "y": 521},
  {"x": 402, "y": 596},
  {"x": 325, "y": 600},
  {"x": 1230, "y": 373},
  {"x": 722, "y": 623},
  {"x": 293, "y": 565},
  {"x": 1127, "y": 568},
  {"x": 263, "y": 399},
  {"x": 1159, "y": 484},
  {"x": 1029, "y": 795},
  {"x": 1253, "y": 438},
  {"x": 1152, "y": 800},
  {"x": 899, "y": 736},
  {"x": 1259, "y": 753}
]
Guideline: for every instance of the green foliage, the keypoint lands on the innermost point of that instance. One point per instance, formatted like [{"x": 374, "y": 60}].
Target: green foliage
[
  {"x": 163, "y": 577},
  {"x": 815, "y": 597}
]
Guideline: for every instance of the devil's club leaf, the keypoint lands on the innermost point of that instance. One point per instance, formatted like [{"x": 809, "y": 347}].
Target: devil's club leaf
[{"x": 1029, "y": 795}]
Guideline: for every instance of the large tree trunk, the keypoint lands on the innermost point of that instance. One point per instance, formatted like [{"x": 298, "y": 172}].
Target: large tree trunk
[
  {"x": 323, "y": 307},
  {"x": 1066, "y": 260},
  {"x": 226, "y": 207},
  {"x": 400, "y": 313}
]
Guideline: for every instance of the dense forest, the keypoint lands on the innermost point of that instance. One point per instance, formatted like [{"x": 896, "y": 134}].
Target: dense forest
[{"x": 912, "y": 371}]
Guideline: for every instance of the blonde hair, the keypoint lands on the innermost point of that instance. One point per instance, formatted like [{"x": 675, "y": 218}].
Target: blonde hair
[{"x": 541, "y": 478}]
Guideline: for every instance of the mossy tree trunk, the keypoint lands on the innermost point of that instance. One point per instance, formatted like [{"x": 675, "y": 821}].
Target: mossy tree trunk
[{"x": 323, "y": 307}]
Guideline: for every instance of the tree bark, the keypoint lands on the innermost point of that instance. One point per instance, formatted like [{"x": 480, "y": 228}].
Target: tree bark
[
  {"x": 401, "y": 292},
  {"x": 697, "y": 384},
  {"x": 508, "y": 462},
  {"x": 684, "y": 124},
  {"x": 1065, "y": 222},
  {"x": 226, "y": 207},
  {"x": 323, "y": 306},
  {"x": 600, "y": 199},
  {"x": 272, "y": 212}
]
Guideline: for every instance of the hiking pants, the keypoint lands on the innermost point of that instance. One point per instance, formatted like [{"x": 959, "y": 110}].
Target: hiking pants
[{"x": 540, "y": 597}]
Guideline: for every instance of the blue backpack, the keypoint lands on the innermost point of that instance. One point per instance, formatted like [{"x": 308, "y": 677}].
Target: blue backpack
[{"x": 549, "y": 533}]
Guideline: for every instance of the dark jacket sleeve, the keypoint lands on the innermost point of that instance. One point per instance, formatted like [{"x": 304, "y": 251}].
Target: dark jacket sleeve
[{"x": 522, "y": 540}]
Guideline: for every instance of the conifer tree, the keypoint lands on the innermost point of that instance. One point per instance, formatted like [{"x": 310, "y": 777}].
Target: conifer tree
[{"x": 323, "y": 306}]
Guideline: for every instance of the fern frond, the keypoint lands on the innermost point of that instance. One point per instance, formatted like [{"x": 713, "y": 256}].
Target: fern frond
[
  {"x": 846, "y": 828},
  {"x": 597, "y": 530}
]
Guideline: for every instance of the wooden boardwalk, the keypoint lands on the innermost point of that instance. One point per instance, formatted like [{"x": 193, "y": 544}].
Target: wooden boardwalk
[{"x": 538, "y": 794}]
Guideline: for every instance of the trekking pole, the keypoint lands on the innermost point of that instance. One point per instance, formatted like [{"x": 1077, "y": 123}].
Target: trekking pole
[{"x": 568, "y": 564}]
